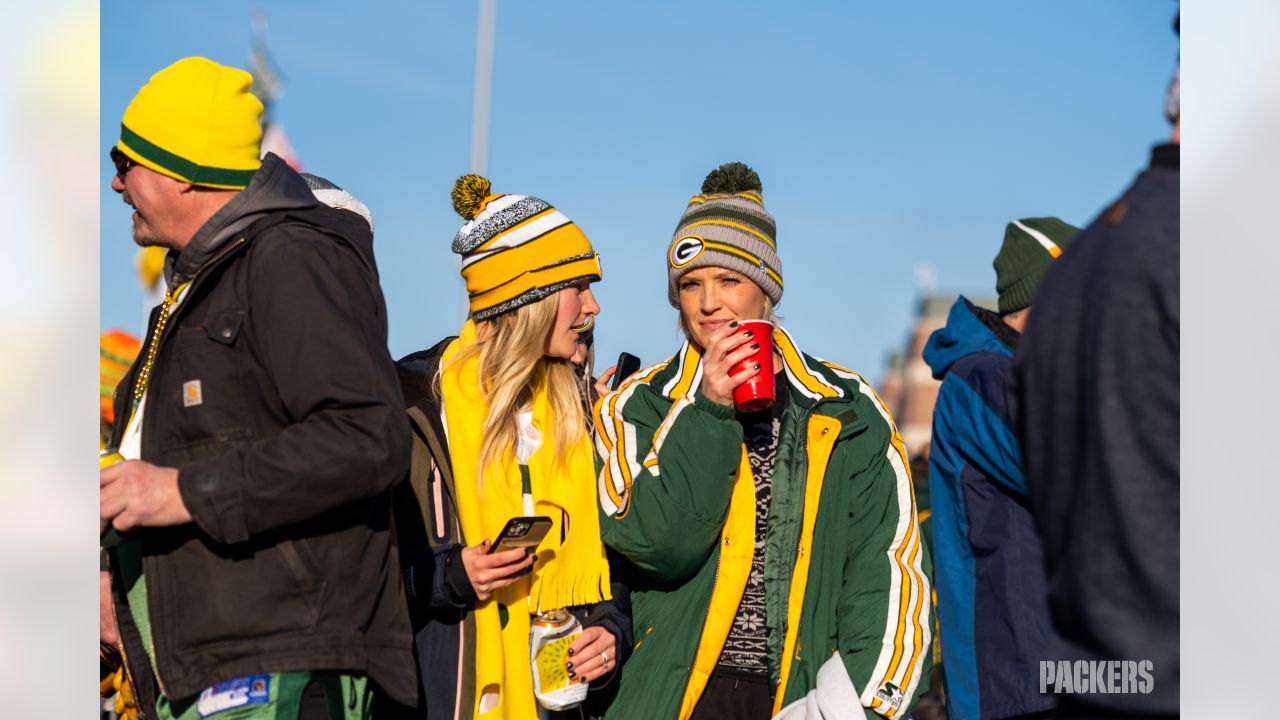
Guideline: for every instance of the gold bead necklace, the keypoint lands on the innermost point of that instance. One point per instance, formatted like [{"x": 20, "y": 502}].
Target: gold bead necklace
[{"x": 144, "y": 375}]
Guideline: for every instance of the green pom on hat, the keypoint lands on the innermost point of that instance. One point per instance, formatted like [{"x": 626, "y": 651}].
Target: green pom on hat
[
  {"x": 729, "y": 178},
  {"x": 468, "y": 195}
]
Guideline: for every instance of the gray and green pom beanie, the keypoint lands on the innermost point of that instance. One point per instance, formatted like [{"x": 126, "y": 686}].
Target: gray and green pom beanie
[
  {"x": 727, "y": 226},
  {"x": 1029, "y": 246}
]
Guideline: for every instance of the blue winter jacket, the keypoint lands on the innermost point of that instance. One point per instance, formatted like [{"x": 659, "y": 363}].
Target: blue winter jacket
[{"x": 992, "y": 605}]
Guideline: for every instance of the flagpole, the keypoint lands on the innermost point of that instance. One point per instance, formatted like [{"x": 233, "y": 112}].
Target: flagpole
[{"x": 484, "y": 85}]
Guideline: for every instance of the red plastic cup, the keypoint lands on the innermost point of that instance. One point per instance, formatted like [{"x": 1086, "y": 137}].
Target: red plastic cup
[{"x": 757, "y": 393}]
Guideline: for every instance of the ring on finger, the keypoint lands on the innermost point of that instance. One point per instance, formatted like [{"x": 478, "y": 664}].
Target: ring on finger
[{"x": 604, "y": 655}]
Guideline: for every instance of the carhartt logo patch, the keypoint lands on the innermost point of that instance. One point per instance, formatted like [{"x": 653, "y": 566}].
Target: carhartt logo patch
[
  {"x": 191, "y": 393},
  {"x": 891, "y": 694},
  {"x": 685, "y": 251}
]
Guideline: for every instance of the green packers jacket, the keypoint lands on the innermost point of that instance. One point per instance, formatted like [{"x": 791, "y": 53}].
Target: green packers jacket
[{"x": 846, "y": 574}]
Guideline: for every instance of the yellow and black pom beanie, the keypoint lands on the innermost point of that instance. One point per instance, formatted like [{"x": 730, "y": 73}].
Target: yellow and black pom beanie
[
  {"x": 727, "y": 226},
  {"x": 516, "y": 249},
  {"x": 198, "y": 122},
  {"x": 1030, "y": 244}
]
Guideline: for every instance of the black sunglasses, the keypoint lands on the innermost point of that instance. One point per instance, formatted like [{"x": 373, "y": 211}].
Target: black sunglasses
[{"x": 123, "y": 162}]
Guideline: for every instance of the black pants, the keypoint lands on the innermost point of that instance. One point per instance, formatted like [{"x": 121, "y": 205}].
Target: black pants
[{"x": 735, "y": 697}]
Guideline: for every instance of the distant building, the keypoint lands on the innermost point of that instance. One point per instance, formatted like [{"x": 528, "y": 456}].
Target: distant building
[{"x": 908, "y": 387}]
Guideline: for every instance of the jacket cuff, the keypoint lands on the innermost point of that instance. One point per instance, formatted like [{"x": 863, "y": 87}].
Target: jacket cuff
[
  {"x": 604, "y": 615},
  {"x": 216, "y": 506},
  {"x": 701, "y": 402},
  {"x": 456, "y": 581}
]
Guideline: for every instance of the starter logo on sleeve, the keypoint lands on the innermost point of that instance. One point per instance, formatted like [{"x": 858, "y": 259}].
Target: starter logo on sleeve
[
  {"x": 891, "y": 694},
  {"x": 686, "y": 250},
  {"x": 242, "y": 691}
]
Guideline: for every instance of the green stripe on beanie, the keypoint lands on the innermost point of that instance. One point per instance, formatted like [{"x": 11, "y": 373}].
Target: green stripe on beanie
[
  {"x": 194, "y": 173},
  {"x": 760, "y": 222},
  {"x": 1030, "y": 244}
]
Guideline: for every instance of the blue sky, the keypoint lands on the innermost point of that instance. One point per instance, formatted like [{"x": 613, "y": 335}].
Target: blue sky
[{"x": 889, "y": 136}]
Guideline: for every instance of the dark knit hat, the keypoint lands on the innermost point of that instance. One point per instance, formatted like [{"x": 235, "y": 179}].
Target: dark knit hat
[
  {"x": 727, "y": 226},
  {"x": 1029, "y": 246}
]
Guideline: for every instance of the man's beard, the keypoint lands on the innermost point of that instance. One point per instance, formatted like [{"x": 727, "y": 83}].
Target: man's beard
[
  {"x": 141, "y": 236},
  {"x": 144, "y": 238}
]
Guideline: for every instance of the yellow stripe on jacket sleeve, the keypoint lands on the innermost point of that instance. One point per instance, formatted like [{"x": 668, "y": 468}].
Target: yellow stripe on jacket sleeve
[
  {"x": 610, "y": 495},
  {"x": 909, "y": 587},
  {"x": 815, "y": 385},
  {"x": 688, "y": 373},
  {"x": 660, "y": 436},
  {"x": 616, "y": 441},
  {"x": 908, "y": 627}
]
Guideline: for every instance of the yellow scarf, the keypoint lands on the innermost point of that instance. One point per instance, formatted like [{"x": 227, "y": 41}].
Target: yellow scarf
[{"x": 574, "y": 572}]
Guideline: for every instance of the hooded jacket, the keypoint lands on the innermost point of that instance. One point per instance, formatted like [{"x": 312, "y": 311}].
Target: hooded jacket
[
  {"x": 992, "y": 610},
  {"x": 274, "y": 396},
  {"x": 846, "y": 573}
]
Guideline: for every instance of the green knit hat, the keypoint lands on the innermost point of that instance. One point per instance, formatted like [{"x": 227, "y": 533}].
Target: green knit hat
[{"x": 1030, "y": 244}]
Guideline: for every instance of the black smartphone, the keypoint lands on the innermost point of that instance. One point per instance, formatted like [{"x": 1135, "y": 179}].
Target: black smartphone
[
  {"x": 627, "y": 365},
  {"x": 522, "y": 532}
]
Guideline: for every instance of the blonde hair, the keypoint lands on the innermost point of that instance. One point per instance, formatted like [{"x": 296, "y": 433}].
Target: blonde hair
[{"x": 510, "y": 349}]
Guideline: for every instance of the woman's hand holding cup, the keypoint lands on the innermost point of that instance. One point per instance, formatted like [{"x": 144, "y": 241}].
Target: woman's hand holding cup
[{"x": 727, "y": 347}]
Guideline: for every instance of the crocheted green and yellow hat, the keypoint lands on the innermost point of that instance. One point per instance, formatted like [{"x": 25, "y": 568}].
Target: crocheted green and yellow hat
[{"x": 196, "y": 121}]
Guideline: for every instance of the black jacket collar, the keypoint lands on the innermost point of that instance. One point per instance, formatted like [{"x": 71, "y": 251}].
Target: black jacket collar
[{"x": 1165, "y": 156}]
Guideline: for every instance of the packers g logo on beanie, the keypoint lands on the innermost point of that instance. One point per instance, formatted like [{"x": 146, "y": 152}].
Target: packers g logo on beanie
[
  {"x": 198, "y": 122},
  {"x": 685, "y": 251}
]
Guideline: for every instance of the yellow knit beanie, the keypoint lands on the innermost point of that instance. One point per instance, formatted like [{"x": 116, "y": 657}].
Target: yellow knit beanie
[
  {"x": 516, "y": 249},
  {"x": 198, "y": 122}
]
